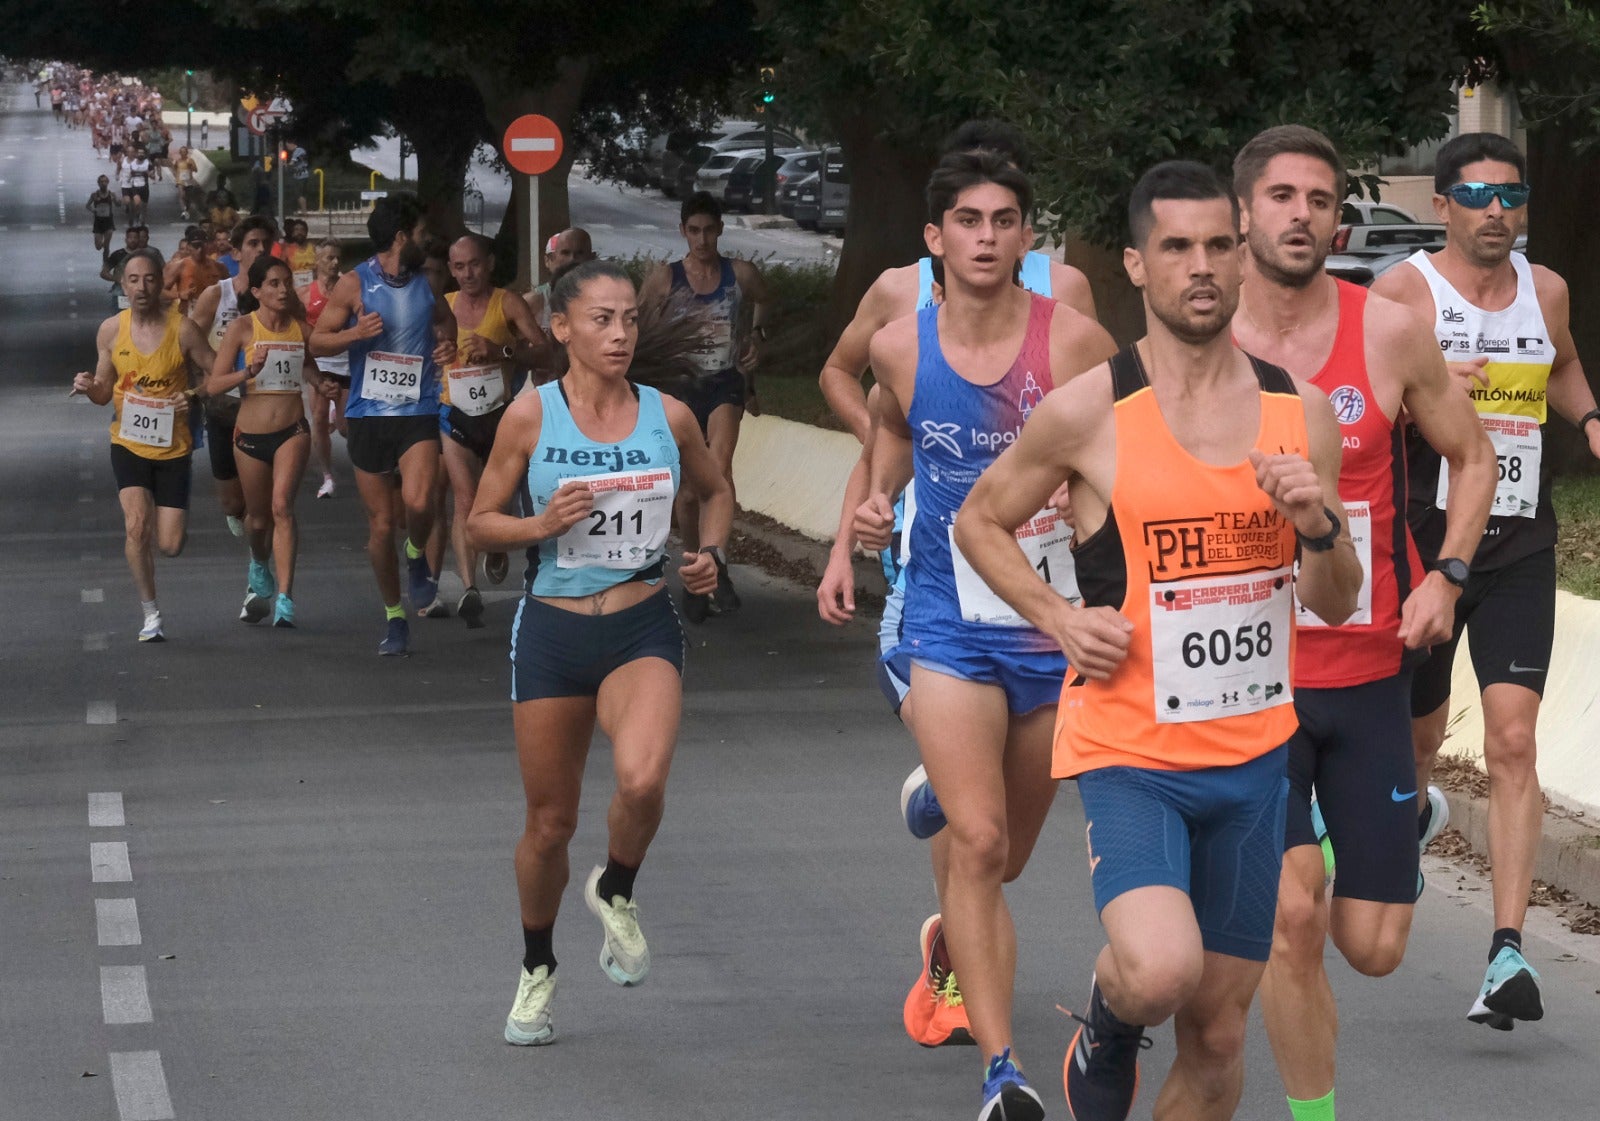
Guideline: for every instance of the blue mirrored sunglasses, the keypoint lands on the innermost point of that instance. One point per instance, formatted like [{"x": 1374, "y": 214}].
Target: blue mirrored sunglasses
[{"x": 1477, "y": 196}]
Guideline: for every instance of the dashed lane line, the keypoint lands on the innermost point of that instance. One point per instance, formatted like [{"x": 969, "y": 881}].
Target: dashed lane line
[
  {"x": 141, "y": 1086},
  {"x": 108, "y": 862},
  {"x": 92, "y": 595},
  {"x": 124, "y": 995},
  {"x": 105, "y": 810},
  {"x": 117, "y": 922}
]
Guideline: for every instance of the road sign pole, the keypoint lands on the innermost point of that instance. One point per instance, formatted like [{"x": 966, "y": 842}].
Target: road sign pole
[
  {"x": 534, "y": 258},
  {"x": 277, "y": 150},
  {"x": 188, "y": 126}
]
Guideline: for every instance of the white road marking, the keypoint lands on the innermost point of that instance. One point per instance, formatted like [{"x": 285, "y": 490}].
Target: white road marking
[
  {"x": 117, "y": 922},
  {"x": 124, "y": 997},
  {"x": 141, "y": 1086},
  {"x": 85, "y": 475},
  {"x": 93, "y": 642},
  {"x": 105, "y": 809},
  {"x": 108, "y": 862},
  {"x": 92, "y": 595},
  {"x": 102, "y": 712}
]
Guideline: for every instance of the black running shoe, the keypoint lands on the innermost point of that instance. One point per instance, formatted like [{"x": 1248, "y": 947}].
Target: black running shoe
[
  {"x": 725, "y": 599},
  {"x": 1102, "y": 1066},
  {"x": 696, "y": 607}
]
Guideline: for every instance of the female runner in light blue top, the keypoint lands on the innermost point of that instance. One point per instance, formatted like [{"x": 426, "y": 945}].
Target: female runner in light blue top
[{"x": 596, "y": 461}]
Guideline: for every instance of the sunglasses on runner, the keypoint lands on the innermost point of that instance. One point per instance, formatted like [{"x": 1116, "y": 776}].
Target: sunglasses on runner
[{"x": 1477, "y": 196}]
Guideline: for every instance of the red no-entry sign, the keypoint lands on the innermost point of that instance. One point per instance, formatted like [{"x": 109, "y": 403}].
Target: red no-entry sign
[{"x": 532, "y": 144}]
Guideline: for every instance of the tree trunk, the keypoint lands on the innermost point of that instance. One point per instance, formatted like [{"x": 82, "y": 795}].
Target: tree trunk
[
  {"x": 886, "y": 218},
  {"x": 505, "y": 98},
  {"x": 442, "y": 119},
  {"x": 1563, "y": 236},
  {"x": 1117, "y": 303}
]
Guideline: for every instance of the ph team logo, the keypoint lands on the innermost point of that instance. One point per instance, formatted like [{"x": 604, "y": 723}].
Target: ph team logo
[{"x": 1349, "y": 404}]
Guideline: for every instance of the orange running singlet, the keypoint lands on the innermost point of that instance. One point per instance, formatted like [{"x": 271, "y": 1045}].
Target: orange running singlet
[{"x": 1199, "y": 560}]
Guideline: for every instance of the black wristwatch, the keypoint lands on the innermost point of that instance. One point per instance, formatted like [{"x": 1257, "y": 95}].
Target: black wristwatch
[
  {"x": 715, "y": 552},
  {"x": 1453, "y": 569},
  {"x": 508, "y": 352},
  {"x": 1327, "y": 541}
]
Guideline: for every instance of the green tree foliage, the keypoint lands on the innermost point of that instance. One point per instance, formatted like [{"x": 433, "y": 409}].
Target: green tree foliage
[{"x": 1550, "y": 51}]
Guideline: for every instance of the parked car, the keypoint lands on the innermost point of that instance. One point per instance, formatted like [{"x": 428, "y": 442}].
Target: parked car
[
  {"x": 833, "y": 192},
  {"x": 712, "y": 177},
  {"x": 1367, "y": 265},
  {"x": 730, "y": 136},
  {"x": 666, "y": 153},
  {"x": 1363, "y": 213},
  {"x": 807, "y": 207},
  {"x": 1354, "y": 239},
  {"x": 747, "y": 184}
]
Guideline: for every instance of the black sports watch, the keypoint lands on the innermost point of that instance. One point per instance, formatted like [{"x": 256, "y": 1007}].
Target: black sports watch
[
  {"x": 715, "y": 552},
  {"x": 1453, "y": 569},
  {"x": 508, "y": 352},
  {"x": 1327, "y": 541}
]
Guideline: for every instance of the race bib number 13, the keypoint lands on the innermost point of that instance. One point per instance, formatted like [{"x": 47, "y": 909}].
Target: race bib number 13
[
  {"x": 282, "y": 369},
  {"x": 1220, "y": 645}
]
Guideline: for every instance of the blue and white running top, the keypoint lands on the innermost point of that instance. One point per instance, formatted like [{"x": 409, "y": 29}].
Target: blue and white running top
[
  {"x": 1035, "y": 277},
  {"x": 394, "y": 374},
  {"x": 634, "y": 481},
  {"x": 720, "y": 307},
  {"x": 957, "y": 430}
]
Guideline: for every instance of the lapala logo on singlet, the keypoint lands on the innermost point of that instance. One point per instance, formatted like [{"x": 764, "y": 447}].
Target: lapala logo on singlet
[
  {"x": 606, "y": 459},
  {"x": 1226, "y": 541}
]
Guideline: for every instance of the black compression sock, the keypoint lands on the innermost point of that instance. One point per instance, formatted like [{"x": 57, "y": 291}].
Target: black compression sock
[
  {"x": 616, "y": 880},
  {"x": 1505, "y": 936},
  {"x": 538, "y": 948}
]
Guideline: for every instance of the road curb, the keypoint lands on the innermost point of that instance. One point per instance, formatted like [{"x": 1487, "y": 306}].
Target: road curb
[
  {"x": 1569, "y": 849},
  {"x": 762, "y": 221}
]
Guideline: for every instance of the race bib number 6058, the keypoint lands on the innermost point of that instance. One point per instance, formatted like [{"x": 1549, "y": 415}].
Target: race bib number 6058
[{"x": 1220, "y": 645}]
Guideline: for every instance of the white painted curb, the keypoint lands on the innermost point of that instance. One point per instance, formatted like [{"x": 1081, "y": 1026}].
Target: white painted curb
[
  {"x": 1569, "y": 718},
  {"x": 795, "y": 474}
]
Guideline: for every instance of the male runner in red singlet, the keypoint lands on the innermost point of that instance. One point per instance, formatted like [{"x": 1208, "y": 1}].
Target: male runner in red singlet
[{"x": 1352, "y": 684}]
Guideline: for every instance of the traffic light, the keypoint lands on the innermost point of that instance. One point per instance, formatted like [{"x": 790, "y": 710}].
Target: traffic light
[{"x": 769, "y": 75}]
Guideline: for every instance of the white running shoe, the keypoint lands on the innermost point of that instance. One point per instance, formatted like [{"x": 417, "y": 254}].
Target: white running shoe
[
  {"x": 235, "y": 525},
  {"x": 529, "y": 1024},
  {"x": 151, "y": 632},
  {"x": 623, "y": 955},
  {"x": 326, "y": 489}
]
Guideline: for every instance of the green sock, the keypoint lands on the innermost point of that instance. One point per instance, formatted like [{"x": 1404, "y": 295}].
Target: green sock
[
  {"x": 395, "y": 612},
  {"x": 1319, "y": 1110},
  {"x": 412, "y": 552}
]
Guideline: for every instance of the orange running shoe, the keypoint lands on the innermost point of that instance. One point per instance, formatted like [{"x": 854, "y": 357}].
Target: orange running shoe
[{"x": 934, "y": 1013}]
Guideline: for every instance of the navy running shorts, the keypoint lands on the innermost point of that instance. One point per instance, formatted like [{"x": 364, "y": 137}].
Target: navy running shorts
[
  {"x": 1511, "y": 612},
  {"x": 1215, "y": 833},
  {"x": 1353, "y": 749},
  {"x": 377, "y": 443},
  {"x": 705, "y": 395},
  {"x": 1031, "y": 679},
  {"x": 557, "y": 653}
]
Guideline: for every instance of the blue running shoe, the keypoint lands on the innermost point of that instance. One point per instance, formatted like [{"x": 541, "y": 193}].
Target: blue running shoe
[
  {"x": 1102, "y": 1067},
  {"x": 1438, "y": 818},
  {"x": 395, "y": 642},
  {"x": 1510, "y": 992},
  {"x": 920, "y": 806},
  {"x": 283, "y": 614},
  {"x": 424, "y": 586},
  {"x": 1007, "y": 1095},
  {"x": 1320, "y": 828}
]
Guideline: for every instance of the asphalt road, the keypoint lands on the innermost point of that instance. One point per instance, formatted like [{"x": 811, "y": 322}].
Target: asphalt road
[{"x": 254, "y": 874}]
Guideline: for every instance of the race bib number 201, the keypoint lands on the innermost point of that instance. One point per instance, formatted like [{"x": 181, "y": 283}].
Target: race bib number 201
[
  {"x": 1220, "y": 645},
  {"x": 392, "y": 379},
  {"x": 147, "y": 420}
]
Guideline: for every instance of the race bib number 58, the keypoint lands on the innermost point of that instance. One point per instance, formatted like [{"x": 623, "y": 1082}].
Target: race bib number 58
[{"x": 1221, "y": 645}]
